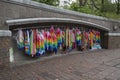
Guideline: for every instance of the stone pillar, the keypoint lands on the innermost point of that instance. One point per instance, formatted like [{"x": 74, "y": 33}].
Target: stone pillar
[
  {"x": 114, "y": 40},
  {"x": 5, "y": 45}
]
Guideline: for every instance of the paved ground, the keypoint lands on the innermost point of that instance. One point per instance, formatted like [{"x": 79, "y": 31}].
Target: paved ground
[{"x": 94, "y": 65}]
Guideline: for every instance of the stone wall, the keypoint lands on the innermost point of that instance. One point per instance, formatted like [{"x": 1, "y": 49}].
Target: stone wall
[
  {"x": 17, "y": 9},
  {"x": 20, "y": 9},
  {"x": 114, "y": 42},
  {"x": 5, "y": 45}
]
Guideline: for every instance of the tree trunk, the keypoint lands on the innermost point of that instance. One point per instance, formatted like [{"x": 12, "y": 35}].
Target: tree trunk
[
  {"x": 82, "y": 2},
  {"x": 93, "y": 4},
  {"x": 102, "y": 6},
  {"x": 118, "y": 7}
]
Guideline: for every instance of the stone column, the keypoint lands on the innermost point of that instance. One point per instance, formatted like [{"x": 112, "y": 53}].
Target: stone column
[
  {"x": 114, "y": 40},
  {"x": 5, "y": 45}
]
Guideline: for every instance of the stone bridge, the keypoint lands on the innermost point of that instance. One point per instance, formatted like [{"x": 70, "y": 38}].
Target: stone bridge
[{"x": 26, "y": 13}]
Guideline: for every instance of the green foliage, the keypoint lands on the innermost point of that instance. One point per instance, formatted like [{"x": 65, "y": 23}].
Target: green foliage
[
  {"x": 105, "y": 9},
  {"x": 49, "y": 2},
  {"x": 74, "y": 6},
  {"x": 112, "y": 15}
]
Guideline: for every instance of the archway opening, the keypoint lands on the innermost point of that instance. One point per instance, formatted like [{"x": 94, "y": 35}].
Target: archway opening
[{"x": 45, "y": 23}]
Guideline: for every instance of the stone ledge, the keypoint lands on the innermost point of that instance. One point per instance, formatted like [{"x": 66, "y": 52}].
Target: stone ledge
[
  {"x": 5, "y": 33},
  {"x": 113, "y": 34},
  {"x": 62, "y": 20}
]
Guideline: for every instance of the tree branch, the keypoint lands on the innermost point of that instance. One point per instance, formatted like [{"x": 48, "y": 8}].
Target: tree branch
[{"x": 93, "y": 3}]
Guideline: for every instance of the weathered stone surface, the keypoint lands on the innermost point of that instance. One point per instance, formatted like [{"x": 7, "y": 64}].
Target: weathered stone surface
[
  {"x": 114, "y": 42},
  {"x": 20, "y": 9},
  {"x": 5, "y": 44},
  {"x": 13, "y": 9}
]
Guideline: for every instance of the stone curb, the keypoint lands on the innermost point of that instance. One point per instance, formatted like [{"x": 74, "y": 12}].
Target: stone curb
[{"x": 45, "y": 58}]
